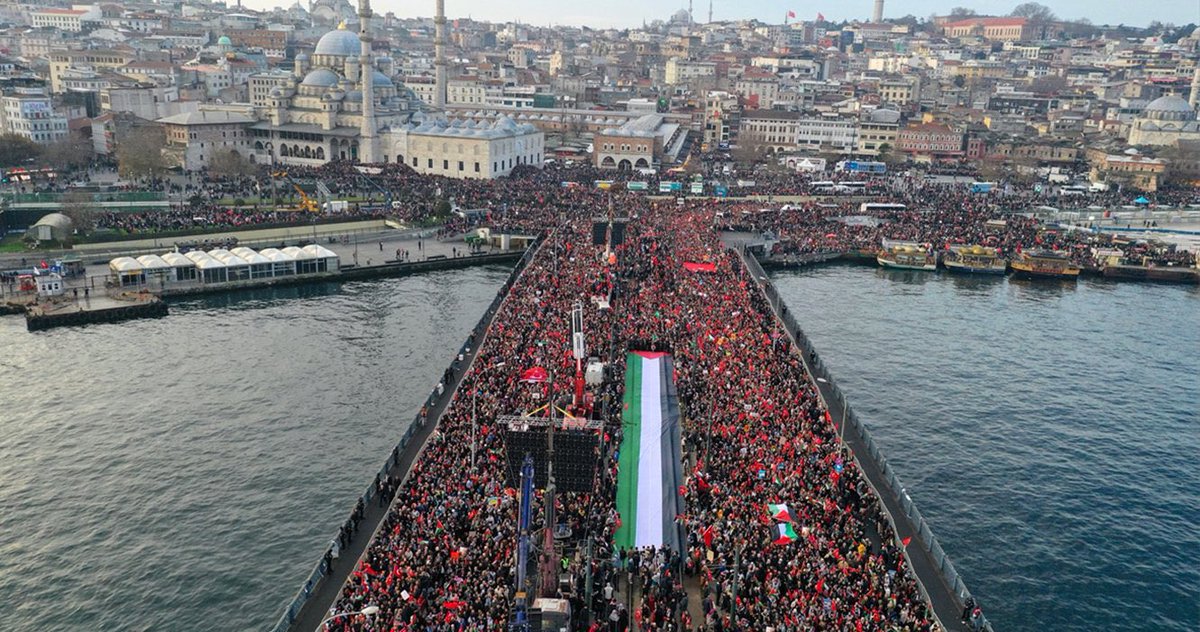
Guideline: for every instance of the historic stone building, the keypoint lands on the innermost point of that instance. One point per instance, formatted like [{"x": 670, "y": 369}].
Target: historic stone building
[
  {"x": 1165, "y": 121},
  {"x": 342, "y": 103}
]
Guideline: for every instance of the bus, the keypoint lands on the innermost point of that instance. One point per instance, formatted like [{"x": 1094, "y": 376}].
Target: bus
[
  {"x": 637, "y": 186},
  {"x": 861, "y": 166},
  {"x": 982, "y": 187},
  {"x": 850, "y": 187},
  {"x": 880, "y": 207},
  {"x": 666, "y": 186},
  {"x": 603, "y": 184}
]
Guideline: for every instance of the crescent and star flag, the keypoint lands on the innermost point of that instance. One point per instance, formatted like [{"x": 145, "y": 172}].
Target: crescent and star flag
[
  {"x": 820, "y": 17},
  {"x": 536, "y": 374},
  {"x": 791, "y": 14},
  {"x": 905, "y": 541}
]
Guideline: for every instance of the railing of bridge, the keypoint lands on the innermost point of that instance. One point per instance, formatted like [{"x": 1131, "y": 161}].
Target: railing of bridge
[
  {"x": 925, "y": 535},
  {"x": 476, "y": 335}
]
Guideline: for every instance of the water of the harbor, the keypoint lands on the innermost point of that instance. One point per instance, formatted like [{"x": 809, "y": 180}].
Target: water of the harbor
[
  {"x": 1049, "y": 432},
  {"x": 186, "y": 473}
]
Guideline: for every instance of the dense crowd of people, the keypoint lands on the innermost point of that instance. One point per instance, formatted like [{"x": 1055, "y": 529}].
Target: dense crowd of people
[
  {"x": 755, "y": 433},
  {"x": 937, "y": 213}
]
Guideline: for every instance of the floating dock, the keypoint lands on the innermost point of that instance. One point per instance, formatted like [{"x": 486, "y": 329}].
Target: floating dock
[{"x": 61, "y": 312}]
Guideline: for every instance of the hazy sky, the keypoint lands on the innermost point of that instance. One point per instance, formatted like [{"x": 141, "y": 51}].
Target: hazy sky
[{"x": 603, "y": 13}]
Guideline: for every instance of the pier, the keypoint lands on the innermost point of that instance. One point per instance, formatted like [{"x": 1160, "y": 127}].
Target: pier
[
  {"x": 929, "y": 585},
  {"x": 111, "y": 308}
]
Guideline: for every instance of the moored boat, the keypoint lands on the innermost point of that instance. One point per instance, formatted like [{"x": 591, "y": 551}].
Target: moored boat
[
  {"x": 1044, "y": 264},
  {"x": 1144, "y": 272},
  {"x": 974, "y": 260},
  {"x": 906, "y": 255}
]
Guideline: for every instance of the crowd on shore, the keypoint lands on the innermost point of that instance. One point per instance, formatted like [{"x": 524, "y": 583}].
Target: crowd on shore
[
  {"x": 443, "y": 559},
  {"x": 939, "y": 214}
]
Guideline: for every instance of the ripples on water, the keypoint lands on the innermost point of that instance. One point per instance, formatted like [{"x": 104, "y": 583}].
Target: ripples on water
[
  {"x": 186, "y": 473},
  {"x": 1048, "y": 432}
]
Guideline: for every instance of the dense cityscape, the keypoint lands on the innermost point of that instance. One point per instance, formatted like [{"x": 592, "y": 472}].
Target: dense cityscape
[{"x": 637, "y": 434}]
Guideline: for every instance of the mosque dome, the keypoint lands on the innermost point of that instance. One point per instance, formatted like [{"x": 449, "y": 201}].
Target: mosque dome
[
  {"x": 1170, "y": 104},
  {"x": 379, "y": 79},
  {"x": 224, "y": 41},
  {"x": 322, "y": 77},
  {"x": 339, "y": 42}
]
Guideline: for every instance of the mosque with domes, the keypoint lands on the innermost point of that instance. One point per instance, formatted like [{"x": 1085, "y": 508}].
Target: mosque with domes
[
  {"x": 1165, "y": 121},
  {"x": 341, "y": 103}
]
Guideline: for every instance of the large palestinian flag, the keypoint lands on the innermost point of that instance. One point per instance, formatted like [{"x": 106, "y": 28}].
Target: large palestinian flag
[{"x": 649, "y": 471}]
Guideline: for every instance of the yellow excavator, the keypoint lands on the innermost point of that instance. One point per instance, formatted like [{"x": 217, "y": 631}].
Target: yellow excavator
[{"x": 306, "y": 203}]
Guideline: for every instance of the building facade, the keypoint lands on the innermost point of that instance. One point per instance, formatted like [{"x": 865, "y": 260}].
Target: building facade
[
  {"x": 61, "y": 61},
  {"x": 193, "y": 138},
  {"x": 931, "y": 141},
  {"x": 29, "y": 112}
]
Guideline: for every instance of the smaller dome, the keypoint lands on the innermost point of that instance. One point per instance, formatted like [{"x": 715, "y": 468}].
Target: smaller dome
[
  {"x": 224, "y": 41},
  {"x": 322, "y": 77},
  {"x": 1170, "y": 103},
  {"x": 380, "y": 79},
  {"x": 277, "y": 92}
]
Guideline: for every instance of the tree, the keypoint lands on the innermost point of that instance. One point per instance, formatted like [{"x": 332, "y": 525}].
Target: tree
[
  {"x": 749, "y": 150},
  {"x": 228, "y": 162},
  {"x": 78, "y": 206},
  {"x": 442, "y": 209},
  {"x": 888, "y": 156},
  {"x": 962, "y": 12},
  {"x": 16, "y": 151},
  {"x": 139, "y": 154},
  {"x": 69, "y": 153},
  {"x": 1034, "y": 12}
]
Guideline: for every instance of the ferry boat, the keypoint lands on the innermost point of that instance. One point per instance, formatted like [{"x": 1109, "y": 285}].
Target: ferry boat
[
  {"x": 1044, "y": 264},
  {"x": 974, "y": 260},
  {"x": 906, "y": 255}
]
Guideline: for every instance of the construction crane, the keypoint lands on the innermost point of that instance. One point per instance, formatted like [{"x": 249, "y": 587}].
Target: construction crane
[{"x": 306, "y": 203}]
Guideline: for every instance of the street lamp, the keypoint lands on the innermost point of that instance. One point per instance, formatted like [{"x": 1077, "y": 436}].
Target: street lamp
[
  {"x": 270, "y": 147},
  {"x": 369, "y": 610},
  {"x": 474, "y": 396}
]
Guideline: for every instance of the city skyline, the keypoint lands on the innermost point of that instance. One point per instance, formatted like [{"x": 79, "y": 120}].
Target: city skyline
[{"x": 632, "y": 12}]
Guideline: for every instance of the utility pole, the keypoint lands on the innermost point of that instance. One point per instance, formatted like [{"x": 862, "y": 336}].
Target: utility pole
[
  {"x": 587, "y": 584},
  {"x": 737, "y": 561}
]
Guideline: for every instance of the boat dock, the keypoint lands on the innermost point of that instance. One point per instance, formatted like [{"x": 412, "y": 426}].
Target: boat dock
[{"x": 65, "y": 312}]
